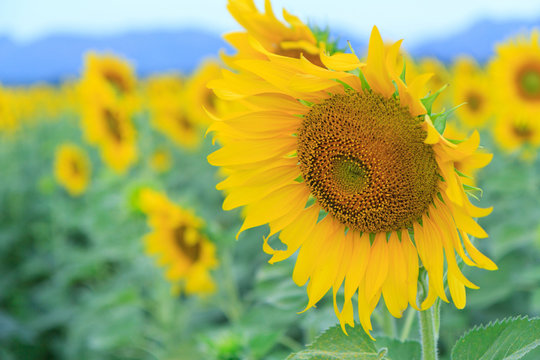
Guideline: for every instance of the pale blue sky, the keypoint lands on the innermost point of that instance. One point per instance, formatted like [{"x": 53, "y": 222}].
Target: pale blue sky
[{"x": 26, "y": 20}]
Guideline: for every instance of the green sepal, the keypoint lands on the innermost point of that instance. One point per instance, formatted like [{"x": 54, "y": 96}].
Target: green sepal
[
  {"x": 305, "y": 102},
  {"x": 439, "y": 120},
  {"x": 365, "y": 84},
  {"x": 322, "y": 35},
  {"x": 462, "y": 174},
  {"x": 474, "y": 191},
  {"x": 345, "y": 85},
  {"x": 453, "y": 141},
  {"x": 403, "y": 71},
  {"x": 428, "y": 100}
]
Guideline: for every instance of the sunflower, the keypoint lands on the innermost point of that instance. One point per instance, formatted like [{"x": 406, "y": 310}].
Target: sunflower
[
  {"x": 348, "y": 168},
  {"x": 107, "y": 124},
  {"x": 178, "y": 243},
  {"x": 168, "y": 110},
  {"x": 72, "y": 168},
  {"x": 292, "y": 40},
  {"x": 8, "y": 120},
  {"x": 198, "y": 99},
  {"x": 110, "y": 73},
  {"x": 515, "y": 73},
  {"x": 453, "y": 132},
  {"x": 439, "y": 80},
  {"x": 516, "y": 131},
  {"x": 471, "y": 88},
  {"x": 161, "y": 160}
]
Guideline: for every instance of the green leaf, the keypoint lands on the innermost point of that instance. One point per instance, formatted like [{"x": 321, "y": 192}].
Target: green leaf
[
  {"x": 333, "y": 344},
  {"x": 509, "y": 339},
  {"x": 398, "y": 350},
  {"x": 428, "y": 100}
]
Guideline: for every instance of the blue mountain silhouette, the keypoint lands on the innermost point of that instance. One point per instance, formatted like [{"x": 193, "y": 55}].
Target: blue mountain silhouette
[{"x": 54, "y": 58}]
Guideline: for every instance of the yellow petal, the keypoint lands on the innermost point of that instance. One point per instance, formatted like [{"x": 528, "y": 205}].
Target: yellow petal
[
  {"x": 296, "y": 233},
  {"x": 274, "y": 205},
  {"x": 377, "y": 268},
  {"x": 341, "y": 61},
  {"x": 315, "y": 245},
  {"x": 245, "y": 152}
]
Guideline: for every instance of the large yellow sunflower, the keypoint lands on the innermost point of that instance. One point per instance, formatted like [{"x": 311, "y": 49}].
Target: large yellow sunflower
[
  {"x": 106, "y": 123},
  {"x": 291, "y": 40},
  {"x": 515, "y": 73},
  {"x": 470, "y": 87},
  {"x": 179, "y": 244},
  {"x": 169, "y": 110},
  {"x": 72, "y": 168},
  {"x": 348, "y": 168}
]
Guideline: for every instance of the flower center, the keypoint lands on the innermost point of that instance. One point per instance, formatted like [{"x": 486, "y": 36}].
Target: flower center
[
  {"x": 474, "y": 101},
  {"x": 191, "y": 251},
  {"x": 349, "y": 174},
  {"x": 182, "y": 122},
  {"x": 75, "y": 168},
  {"x": 364, "y": 158},
  {"x": 117, "y": 81},
  {"x": 522, "y": 131},
  {"x": 529, "y": 82},
  {"x": 113, "y": 124}
]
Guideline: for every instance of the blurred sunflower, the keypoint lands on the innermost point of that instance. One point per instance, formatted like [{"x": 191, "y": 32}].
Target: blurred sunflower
[
  {"x": 169, "y": 110},
  {"x": 161, "y": 160},
  {"x": 515, "y": 73},
  {"x": 179, "y": 244},
  {"x": 292, "y": 40},
  {"x": 112, "y": 71},
  {"x": 517, "y": 131},
  {"x": 8, "y": 119},
  {"x": 347, "y": 166},
  {"x": 471, "y": 88},
  {"x": 72, "y": 168},
  {"x": 198, "y": 98},
  {"x": 440, "y": 78},
  {"x": 107, "y": 124},
  {"x": 454, "y": 133}
]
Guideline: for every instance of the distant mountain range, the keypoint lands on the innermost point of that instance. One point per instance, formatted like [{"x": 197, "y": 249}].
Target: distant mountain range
[{"x": 54, "y": 58}]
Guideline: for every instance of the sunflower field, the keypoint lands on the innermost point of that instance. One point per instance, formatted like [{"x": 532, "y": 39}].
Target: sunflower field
[{"x": 294, "y": 197}]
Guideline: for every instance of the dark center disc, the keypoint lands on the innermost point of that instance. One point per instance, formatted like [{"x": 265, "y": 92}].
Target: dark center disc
[{"x": 365, "y": 160}]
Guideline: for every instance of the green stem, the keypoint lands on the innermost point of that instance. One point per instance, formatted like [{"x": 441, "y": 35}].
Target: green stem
[
  {"x": 428, "y": 333},
  {"x": 429, "y": 322}
]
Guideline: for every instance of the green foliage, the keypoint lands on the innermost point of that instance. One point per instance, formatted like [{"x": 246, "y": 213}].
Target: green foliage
[
  {"x": 502, "y": 340},
  {"x": 334, "y": 344},
  {"x": 428, "y": 100},
  {"x": 323, "y": 35}
]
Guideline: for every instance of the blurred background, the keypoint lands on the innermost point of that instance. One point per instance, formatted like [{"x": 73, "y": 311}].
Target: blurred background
[{"x": 101, "y": 123}]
